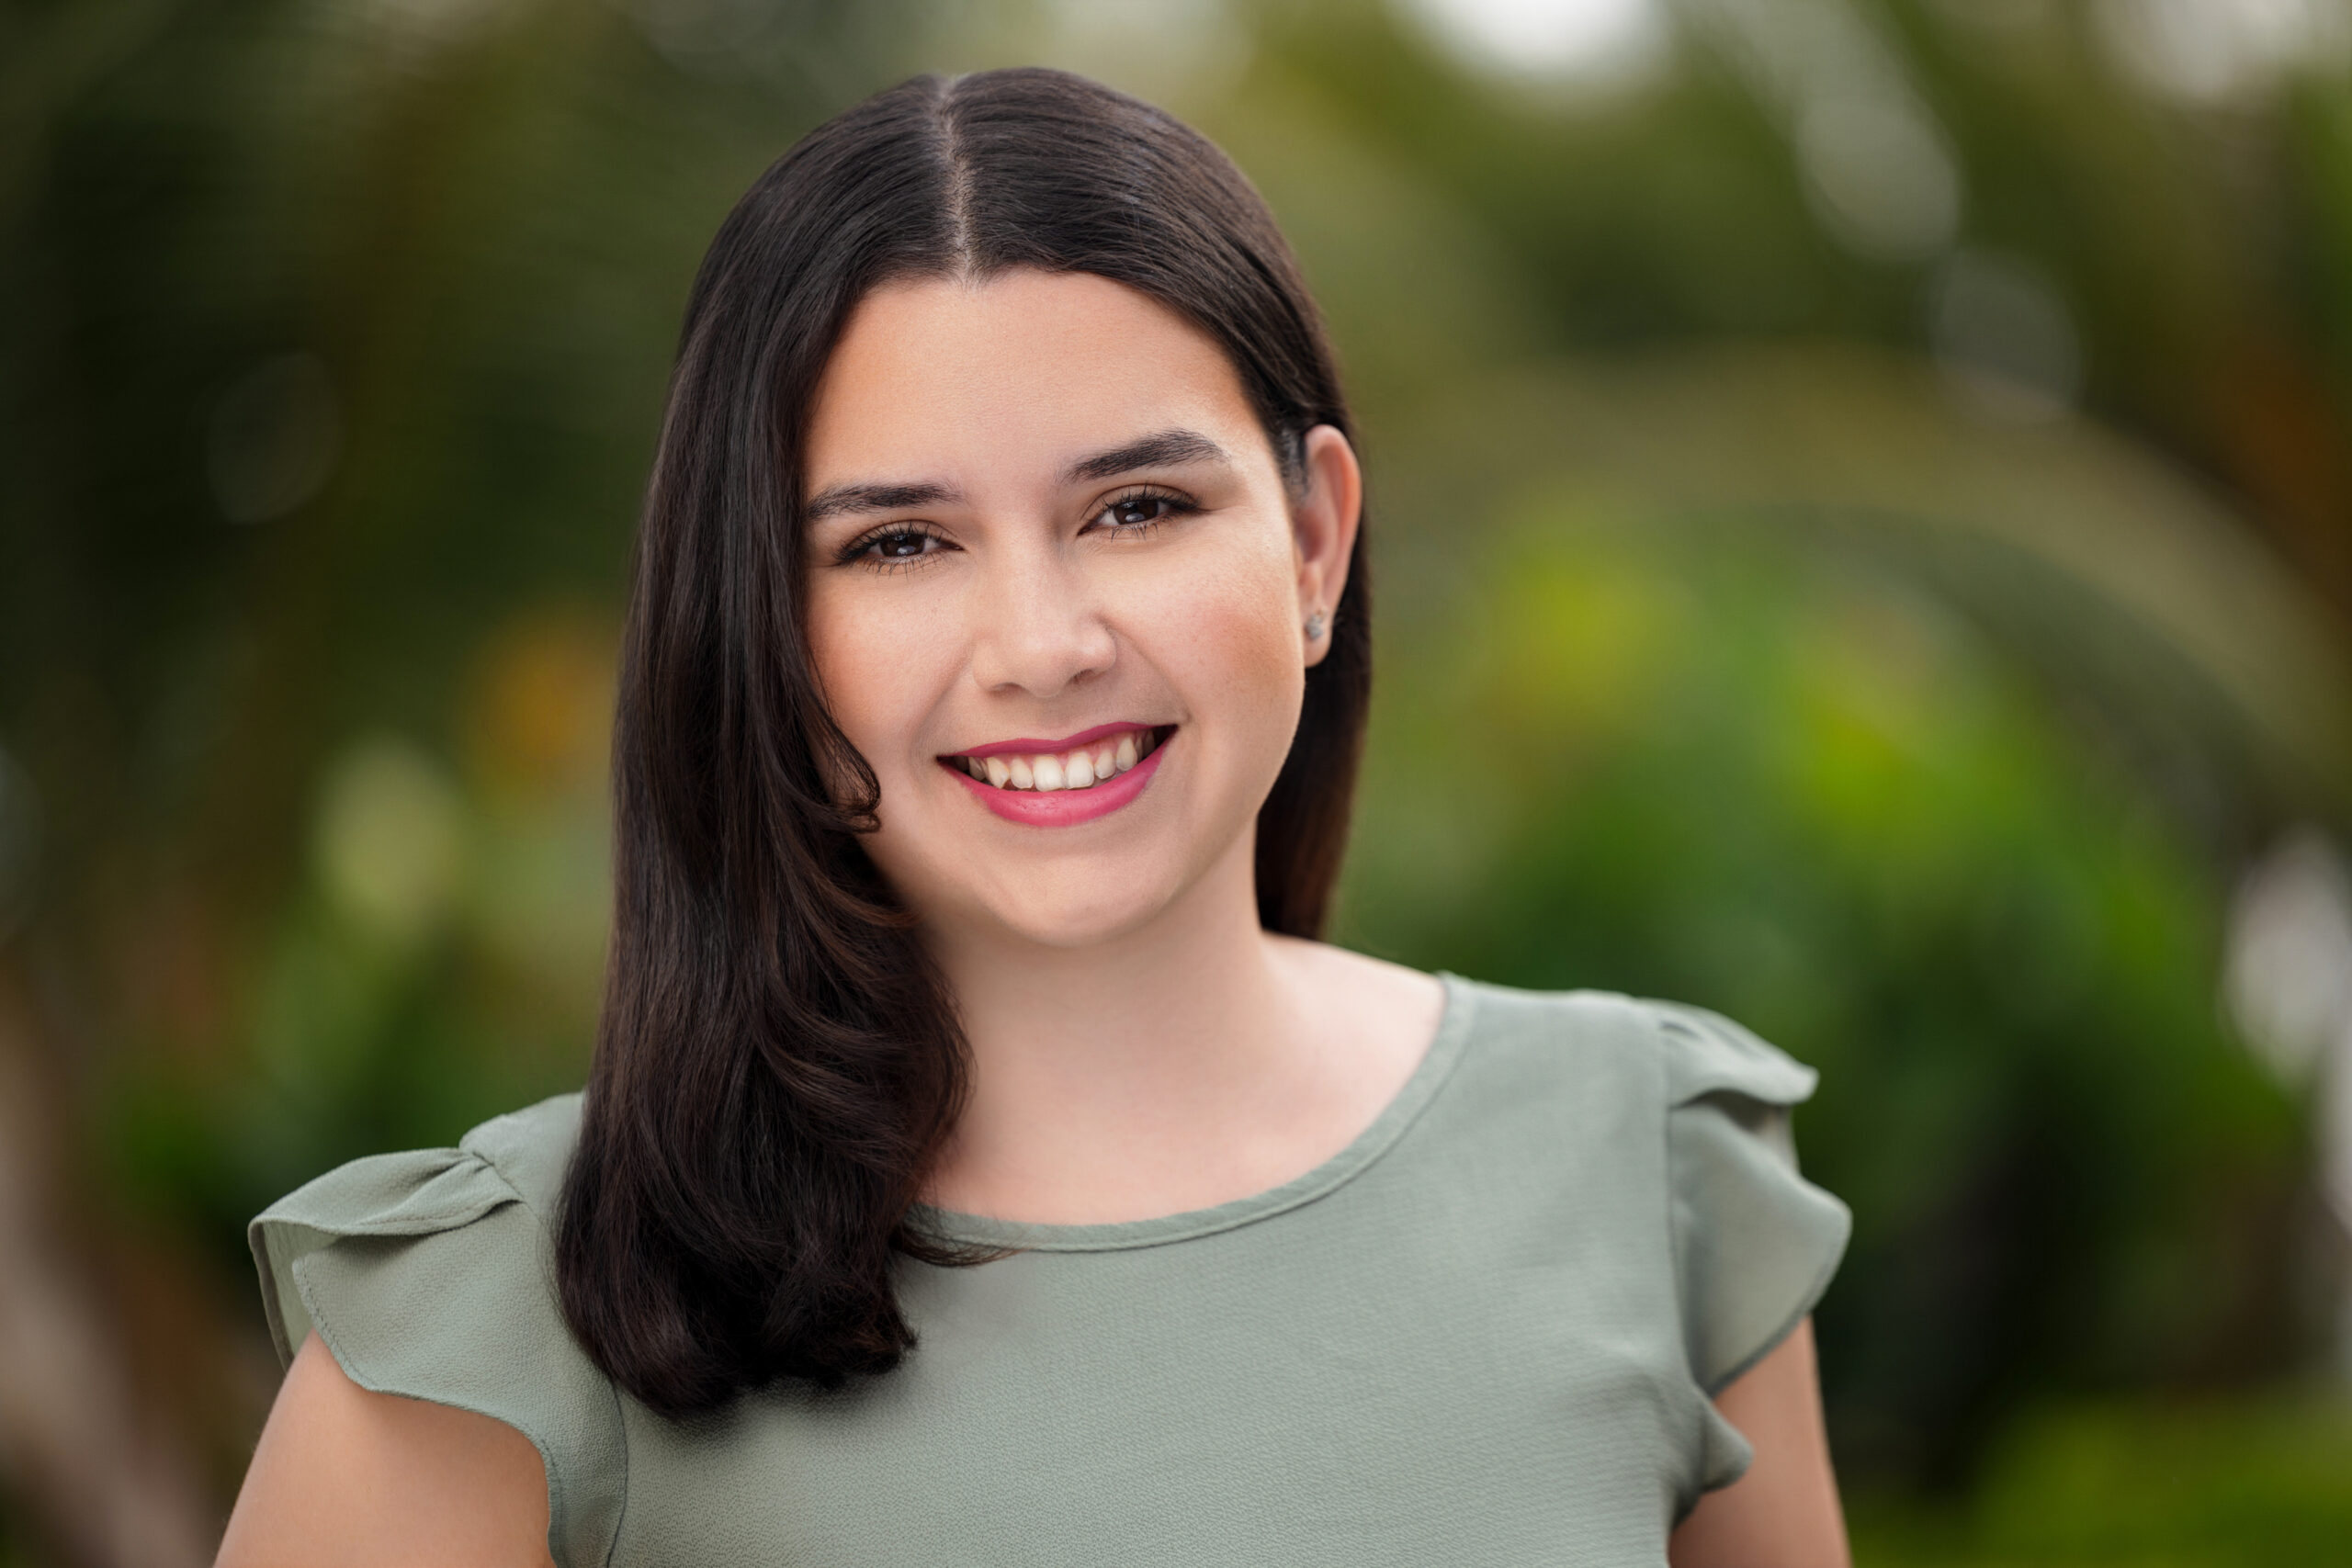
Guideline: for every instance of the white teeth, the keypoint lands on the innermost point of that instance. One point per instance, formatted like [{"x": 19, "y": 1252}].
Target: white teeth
[{"x": 1081, "y": 768}]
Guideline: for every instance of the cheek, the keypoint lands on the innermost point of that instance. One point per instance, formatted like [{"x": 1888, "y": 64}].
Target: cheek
[
  {"x": 869, "y": 661},
  {"x": 1229, "y": 632}
]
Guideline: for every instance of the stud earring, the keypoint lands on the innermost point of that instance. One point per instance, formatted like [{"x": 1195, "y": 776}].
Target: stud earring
[{"x": 1315, "y": 627}]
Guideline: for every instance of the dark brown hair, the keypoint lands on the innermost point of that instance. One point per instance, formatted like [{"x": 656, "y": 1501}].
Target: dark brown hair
[{"x": 778, "y": 1061}]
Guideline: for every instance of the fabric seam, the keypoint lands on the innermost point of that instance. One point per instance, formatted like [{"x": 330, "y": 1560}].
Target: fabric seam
[
  {"x": 1662, "y": 1047},
  {"x": 620, "y": 1422},
  {"x": 558, "y": 1499},
  {"x": 1446, "y": 1055},
  {"x": 1808, "y": 1299}
]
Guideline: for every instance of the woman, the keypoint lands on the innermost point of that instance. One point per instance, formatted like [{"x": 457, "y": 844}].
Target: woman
[{"x": 983, "y": 1160}]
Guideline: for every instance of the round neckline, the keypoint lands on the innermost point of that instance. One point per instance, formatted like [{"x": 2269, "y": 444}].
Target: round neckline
[{"x": 1419, "y": 1088}]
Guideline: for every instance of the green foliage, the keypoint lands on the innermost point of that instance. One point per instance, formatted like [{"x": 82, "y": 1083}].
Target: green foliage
[
  {"x": 1815, "y": 800},
  {"x": 1920, "y": 731},
  {"x": 2201, "y": 1483}
]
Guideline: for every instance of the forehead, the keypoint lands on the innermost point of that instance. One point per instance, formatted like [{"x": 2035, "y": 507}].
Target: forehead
[{"x": 1024, "y": 369}]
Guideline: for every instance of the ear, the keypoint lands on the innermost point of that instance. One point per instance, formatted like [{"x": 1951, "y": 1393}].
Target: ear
[{"x": 1323, "y": 533}]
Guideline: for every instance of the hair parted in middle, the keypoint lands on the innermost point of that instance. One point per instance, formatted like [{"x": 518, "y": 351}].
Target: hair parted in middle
[{"x": 778, "y": 1062}]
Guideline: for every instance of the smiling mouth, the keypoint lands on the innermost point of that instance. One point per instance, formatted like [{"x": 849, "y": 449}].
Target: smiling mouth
[{"x": 1098, "y": 757}]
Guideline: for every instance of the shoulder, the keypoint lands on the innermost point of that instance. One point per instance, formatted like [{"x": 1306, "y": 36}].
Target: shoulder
[
  {"x": 346, "y": 1478},
  {"x": 430, "y": 1273},
  {"x": 1682, "y": 1054},
  {"x": 1706, "y": 1053},
  {"x": 517, "y": 1158},
  {"x": 530, "y": 1148},
  {"x": 1690, "y": 1112}
]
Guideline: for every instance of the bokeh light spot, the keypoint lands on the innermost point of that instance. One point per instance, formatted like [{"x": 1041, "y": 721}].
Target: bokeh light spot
[
  {"x": 2004, "y": 339},
  {"x": 388, "y": 838},
  {"x": 1586, "y": 40},
  {"x": 1879, "y": 177}
]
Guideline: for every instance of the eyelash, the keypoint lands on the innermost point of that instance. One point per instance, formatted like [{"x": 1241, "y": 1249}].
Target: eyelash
[
  {"x": 1177, "y": 504},
  {"x": 857, "y": 552}
]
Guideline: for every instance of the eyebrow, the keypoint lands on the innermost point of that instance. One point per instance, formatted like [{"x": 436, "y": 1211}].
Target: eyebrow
[
  {"x": 839, "y": 498},
  {"x": 1161, "y": 449}
]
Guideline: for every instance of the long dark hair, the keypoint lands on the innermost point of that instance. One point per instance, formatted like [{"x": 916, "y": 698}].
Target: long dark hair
[{"x": 779, "y": 1062}]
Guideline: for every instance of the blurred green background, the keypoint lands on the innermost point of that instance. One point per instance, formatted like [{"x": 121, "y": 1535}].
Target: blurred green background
[{"x": 1863, "y": 507}]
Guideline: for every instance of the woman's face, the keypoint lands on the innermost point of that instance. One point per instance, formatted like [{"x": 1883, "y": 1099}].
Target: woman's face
[{"x": 1056, "y": 596}]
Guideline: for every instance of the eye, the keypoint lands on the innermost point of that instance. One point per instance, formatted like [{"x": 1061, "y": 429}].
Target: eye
[
  {"x": 1141, "y": 512},
  {"x": 1137, "y": 510},
  {"x": 897, "y": 546},
  {"x": 894, "y": 546}
]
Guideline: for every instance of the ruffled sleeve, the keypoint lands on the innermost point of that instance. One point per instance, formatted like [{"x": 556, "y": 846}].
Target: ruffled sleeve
[
  {"x": 430, "y": 1274},
  {"x": 1755, "y": 1243}
]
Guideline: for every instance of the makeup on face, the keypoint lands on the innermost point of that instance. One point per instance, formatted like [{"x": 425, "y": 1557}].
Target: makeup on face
[
  {"x": 1059, "y": 784},
  {"x": 1053, "y": 578}
]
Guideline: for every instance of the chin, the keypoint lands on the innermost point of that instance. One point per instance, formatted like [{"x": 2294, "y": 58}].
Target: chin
[{"x": 1077, "y": 920}]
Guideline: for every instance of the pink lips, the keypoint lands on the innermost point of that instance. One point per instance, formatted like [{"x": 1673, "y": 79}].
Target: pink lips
[
  {"x": 1061, "y": 807},
  {"x": 1051, "y": 747}
]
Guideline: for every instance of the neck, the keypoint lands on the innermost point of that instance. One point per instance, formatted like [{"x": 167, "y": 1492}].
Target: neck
[{"x": 1093, "y": 1062}]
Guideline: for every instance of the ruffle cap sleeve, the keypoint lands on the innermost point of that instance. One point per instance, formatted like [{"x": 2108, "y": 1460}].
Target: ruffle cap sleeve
[
  {"x": 1755, "y": 1243},
  {"x": 431, "y": 1274}
]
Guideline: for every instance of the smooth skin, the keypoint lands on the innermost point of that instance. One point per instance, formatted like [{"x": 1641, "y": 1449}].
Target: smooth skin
[
  {"x": 1040, "y": 503},
  {"x": 346, "y": 1478}
]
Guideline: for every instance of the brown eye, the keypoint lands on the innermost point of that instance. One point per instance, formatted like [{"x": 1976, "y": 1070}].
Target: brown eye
[
  {"x": 1137, "y": 510},
  {"x": 898, "y": 547}
]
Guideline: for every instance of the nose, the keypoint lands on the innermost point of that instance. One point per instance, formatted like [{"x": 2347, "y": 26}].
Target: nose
[{"x": 1037, "y": 626}]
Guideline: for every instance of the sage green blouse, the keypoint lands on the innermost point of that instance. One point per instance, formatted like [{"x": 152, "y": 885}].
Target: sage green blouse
[{"x": 1486, "y": 1332}]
